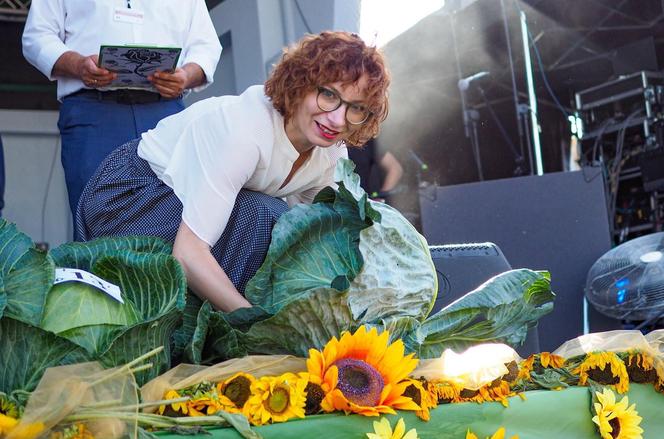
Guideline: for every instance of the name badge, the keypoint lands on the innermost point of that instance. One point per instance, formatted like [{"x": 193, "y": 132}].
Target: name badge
[
  {"x": 126, "y": 15},
  {"x": 74, "y": 274}
]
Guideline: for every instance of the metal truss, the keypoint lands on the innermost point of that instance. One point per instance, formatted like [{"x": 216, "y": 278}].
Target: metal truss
[
  {"x": 631, "y": 23},
  {"x": 14, "y": 10}
]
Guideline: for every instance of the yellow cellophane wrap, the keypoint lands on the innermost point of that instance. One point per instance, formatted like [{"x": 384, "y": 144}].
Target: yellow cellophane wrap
[
  {"x": 186, "y": 375},
  {"x": 611, "y": 341},
  {"x": 66, "y": 390},
  {"x": 472, "y": 369},
  {"x": 656, "y": 340},
  {"x": 617, "y": 341}
]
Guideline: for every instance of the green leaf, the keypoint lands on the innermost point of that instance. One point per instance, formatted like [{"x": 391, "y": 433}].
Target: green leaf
[
  {"x": 241, "y": 424},
  {"x": 3, "y": 300},
  {"x": 26, "y": 274},
  {"x": 83, "y": 255},
  {"x": 75, "y": 304},
  {"x": 144, "y": 434},
  {"x": 312, "y": 245},
  {"x": 156, "y": 286},
  {"x": 13, "y": 245},
  {"x": 26, "y": 352},
  {"x": 500, "y": 310},
  {"x": 27, "y": 285},
  {"x": 398, "y": 278},
  {"x": 549, "y": 378},
  {"x": 309, "y": 322},
  {"x": 184, "y": 334}
]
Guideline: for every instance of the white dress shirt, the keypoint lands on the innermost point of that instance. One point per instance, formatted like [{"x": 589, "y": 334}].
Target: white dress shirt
[
  {"x": 217, "y": 146},
  {"x": 54, "y": 27}
]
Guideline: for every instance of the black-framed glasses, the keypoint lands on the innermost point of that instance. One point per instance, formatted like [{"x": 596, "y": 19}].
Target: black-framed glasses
[{"x": 329, "y": 100}]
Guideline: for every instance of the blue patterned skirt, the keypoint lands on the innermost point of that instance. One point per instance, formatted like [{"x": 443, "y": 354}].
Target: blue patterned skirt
[{"x": 125, "y": 197}]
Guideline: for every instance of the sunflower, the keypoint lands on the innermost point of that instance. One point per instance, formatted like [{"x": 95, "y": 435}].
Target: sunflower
[
  {"x": 641, "y": 367},
  {"x": 616, "y": 420},
  {"x": 604, "y": 368},
  {"x": 76, "y": 431},
  {"x": 362, "y": 373},
  {"x": 8, "y": 407},
  {"x": 498, "y": 390},
  {"x": 315, "y": 396},
  {"x": 7, "y": 423},
  {"x": 499, "y": 434},
  {"x": 538, "y": 362},
  {"x": 209, "y": 403},
  {"x": 235, "y": 391},
  {"x": 383, "y": 430},
  {"x": 422, "y": 397},
  {"x": 445, "y": 391},
  {"x": 175, "y": 408},
  {"x": 512, "y": 371},
  {"x": 276, "y": 399},
  {"x": 26, "y": 431}
]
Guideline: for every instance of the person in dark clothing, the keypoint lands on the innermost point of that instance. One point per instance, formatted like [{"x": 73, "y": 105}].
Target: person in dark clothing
[{"x": 368, "y": 160}]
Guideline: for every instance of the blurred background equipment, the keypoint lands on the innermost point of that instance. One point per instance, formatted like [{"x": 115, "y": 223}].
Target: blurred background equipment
[
  {"x": 622, "y": 129},
  {"x": 556, "y": 222},
  {"x": 627, "y": 283}
]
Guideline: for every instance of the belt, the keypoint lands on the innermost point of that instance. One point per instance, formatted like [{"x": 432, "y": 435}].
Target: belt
[{"x": 122, "y": 96}]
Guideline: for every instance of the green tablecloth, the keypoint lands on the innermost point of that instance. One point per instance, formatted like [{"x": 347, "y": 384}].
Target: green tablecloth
[{"x": 544, "y": 414}]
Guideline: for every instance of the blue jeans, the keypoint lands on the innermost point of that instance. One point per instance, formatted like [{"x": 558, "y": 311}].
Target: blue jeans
[{"x": 91, "y": 128}]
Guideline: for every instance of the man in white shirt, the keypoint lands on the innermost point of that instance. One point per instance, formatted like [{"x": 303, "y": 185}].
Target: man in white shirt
[{"x": 62, "y": 39}]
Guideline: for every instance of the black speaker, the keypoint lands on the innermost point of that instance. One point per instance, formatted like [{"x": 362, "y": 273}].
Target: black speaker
[
  {"x": 463, "y": 267},
  {"x": 556, "y": 222}
]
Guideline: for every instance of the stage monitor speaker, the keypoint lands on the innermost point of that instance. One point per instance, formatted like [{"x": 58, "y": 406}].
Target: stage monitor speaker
[
  {"x": 556, "y": 222},
  {"x": 463, "y": 267}
]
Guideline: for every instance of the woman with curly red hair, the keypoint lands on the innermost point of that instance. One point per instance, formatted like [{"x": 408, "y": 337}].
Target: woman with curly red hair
[{"x": 213, "y": 178}]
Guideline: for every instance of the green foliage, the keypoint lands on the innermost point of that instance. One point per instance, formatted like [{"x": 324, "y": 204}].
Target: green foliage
[{"x": 500, "y": 310}]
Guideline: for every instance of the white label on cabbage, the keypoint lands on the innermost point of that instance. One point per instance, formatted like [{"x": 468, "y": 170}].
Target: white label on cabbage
[{"x": 74, "y": 274}]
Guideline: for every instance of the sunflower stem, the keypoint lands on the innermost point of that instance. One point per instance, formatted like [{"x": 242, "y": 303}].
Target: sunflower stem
[
  {"x": 138, "y": 406},
  {"x": 128, "y": 367}
]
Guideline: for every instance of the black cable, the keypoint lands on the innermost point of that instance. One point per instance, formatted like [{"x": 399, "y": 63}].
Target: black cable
[
  {"x": 47, "y": 190},
  {"x": 515, "y": 92},
  {"x": 541, "y": 66},
  {"x": 614, "y": 171},
  {"x": 600, "y": 133},
  {"x": 517, "y": 156},
  {"x": 304, "y": 20}
]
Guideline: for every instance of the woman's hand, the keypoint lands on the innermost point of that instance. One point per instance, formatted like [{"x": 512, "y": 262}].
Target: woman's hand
[{"x": 204, "y": 275}]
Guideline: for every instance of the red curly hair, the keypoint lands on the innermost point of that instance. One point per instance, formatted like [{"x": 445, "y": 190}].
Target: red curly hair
[{"x": 326, "y": 58}]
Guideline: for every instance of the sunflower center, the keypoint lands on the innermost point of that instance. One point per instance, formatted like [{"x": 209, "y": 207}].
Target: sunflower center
[
  {"x": 315, "y": 396},
  {"x": 278, "y": 400},
  {"x": 639, "y": 374},
  {"x": 603, "y": 376},
  {"x": 360, "y": 383},
  {"x": 238, "y": 390},
  {"x": 413, "y": 393},
  {"x": 7, "y": 408},
  {"x": 615, "y": 426}
]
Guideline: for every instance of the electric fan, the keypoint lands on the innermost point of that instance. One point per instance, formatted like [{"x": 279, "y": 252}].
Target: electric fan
[{"x": 627, "y": 282}]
